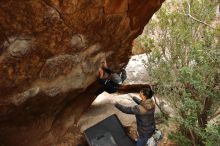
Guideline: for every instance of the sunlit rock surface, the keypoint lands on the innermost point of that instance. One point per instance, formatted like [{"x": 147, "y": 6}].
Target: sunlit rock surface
[
  {"x": 137, "y": 71},
  {"x": 50, "y": 51}
]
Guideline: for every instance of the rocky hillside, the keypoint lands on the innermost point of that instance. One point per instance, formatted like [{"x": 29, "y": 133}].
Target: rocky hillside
[{"x": 50, "y": 51}]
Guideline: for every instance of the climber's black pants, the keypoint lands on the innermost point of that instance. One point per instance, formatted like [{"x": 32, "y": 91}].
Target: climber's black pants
[{"x": 107, "y": 86}]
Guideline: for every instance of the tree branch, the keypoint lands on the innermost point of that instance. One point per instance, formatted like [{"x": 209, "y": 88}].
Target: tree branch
[
  {"x": 193, "y": 137},
  {"x": 195, "y": 19},
  {"x": 203, "y": 115},
  {"x": 214, "y": 116},
  {"x": 166, "y": 115},
  {"x": 190, "y": 16}
]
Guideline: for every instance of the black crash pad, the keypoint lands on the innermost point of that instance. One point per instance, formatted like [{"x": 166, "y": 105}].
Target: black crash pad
[{"x": 108, "y": 132}]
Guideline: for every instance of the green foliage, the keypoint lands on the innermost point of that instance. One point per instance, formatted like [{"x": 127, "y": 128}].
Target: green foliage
[
  {"x": 213, "y": 136},
  {"x": 179, "y": 138},
  {"x": 161, "y": 119},
  {"x": 185, "y": 64}
]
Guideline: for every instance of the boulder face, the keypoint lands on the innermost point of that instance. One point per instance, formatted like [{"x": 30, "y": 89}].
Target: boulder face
[{"x": 50, "y": 52}]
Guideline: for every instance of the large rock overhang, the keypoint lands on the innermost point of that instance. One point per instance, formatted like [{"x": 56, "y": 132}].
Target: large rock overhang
[{"x": 50, "y": 51}]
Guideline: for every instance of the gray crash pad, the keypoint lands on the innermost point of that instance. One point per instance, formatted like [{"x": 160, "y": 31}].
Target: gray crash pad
[{"x": 108, "y": 132}]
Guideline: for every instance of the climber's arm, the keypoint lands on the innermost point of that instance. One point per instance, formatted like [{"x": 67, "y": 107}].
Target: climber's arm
[{"x": 128, "y": 110}]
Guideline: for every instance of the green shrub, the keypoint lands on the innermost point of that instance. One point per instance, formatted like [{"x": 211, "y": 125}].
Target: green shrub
[{"x": 184, "y": 65}]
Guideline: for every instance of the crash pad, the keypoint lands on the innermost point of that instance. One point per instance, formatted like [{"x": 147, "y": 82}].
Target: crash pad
[{"x": 108, "y": 132}]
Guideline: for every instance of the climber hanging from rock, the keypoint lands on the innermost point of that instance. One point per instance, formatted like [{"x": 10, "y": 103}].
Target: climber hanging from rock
[{"x": 109, "y": 80}]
